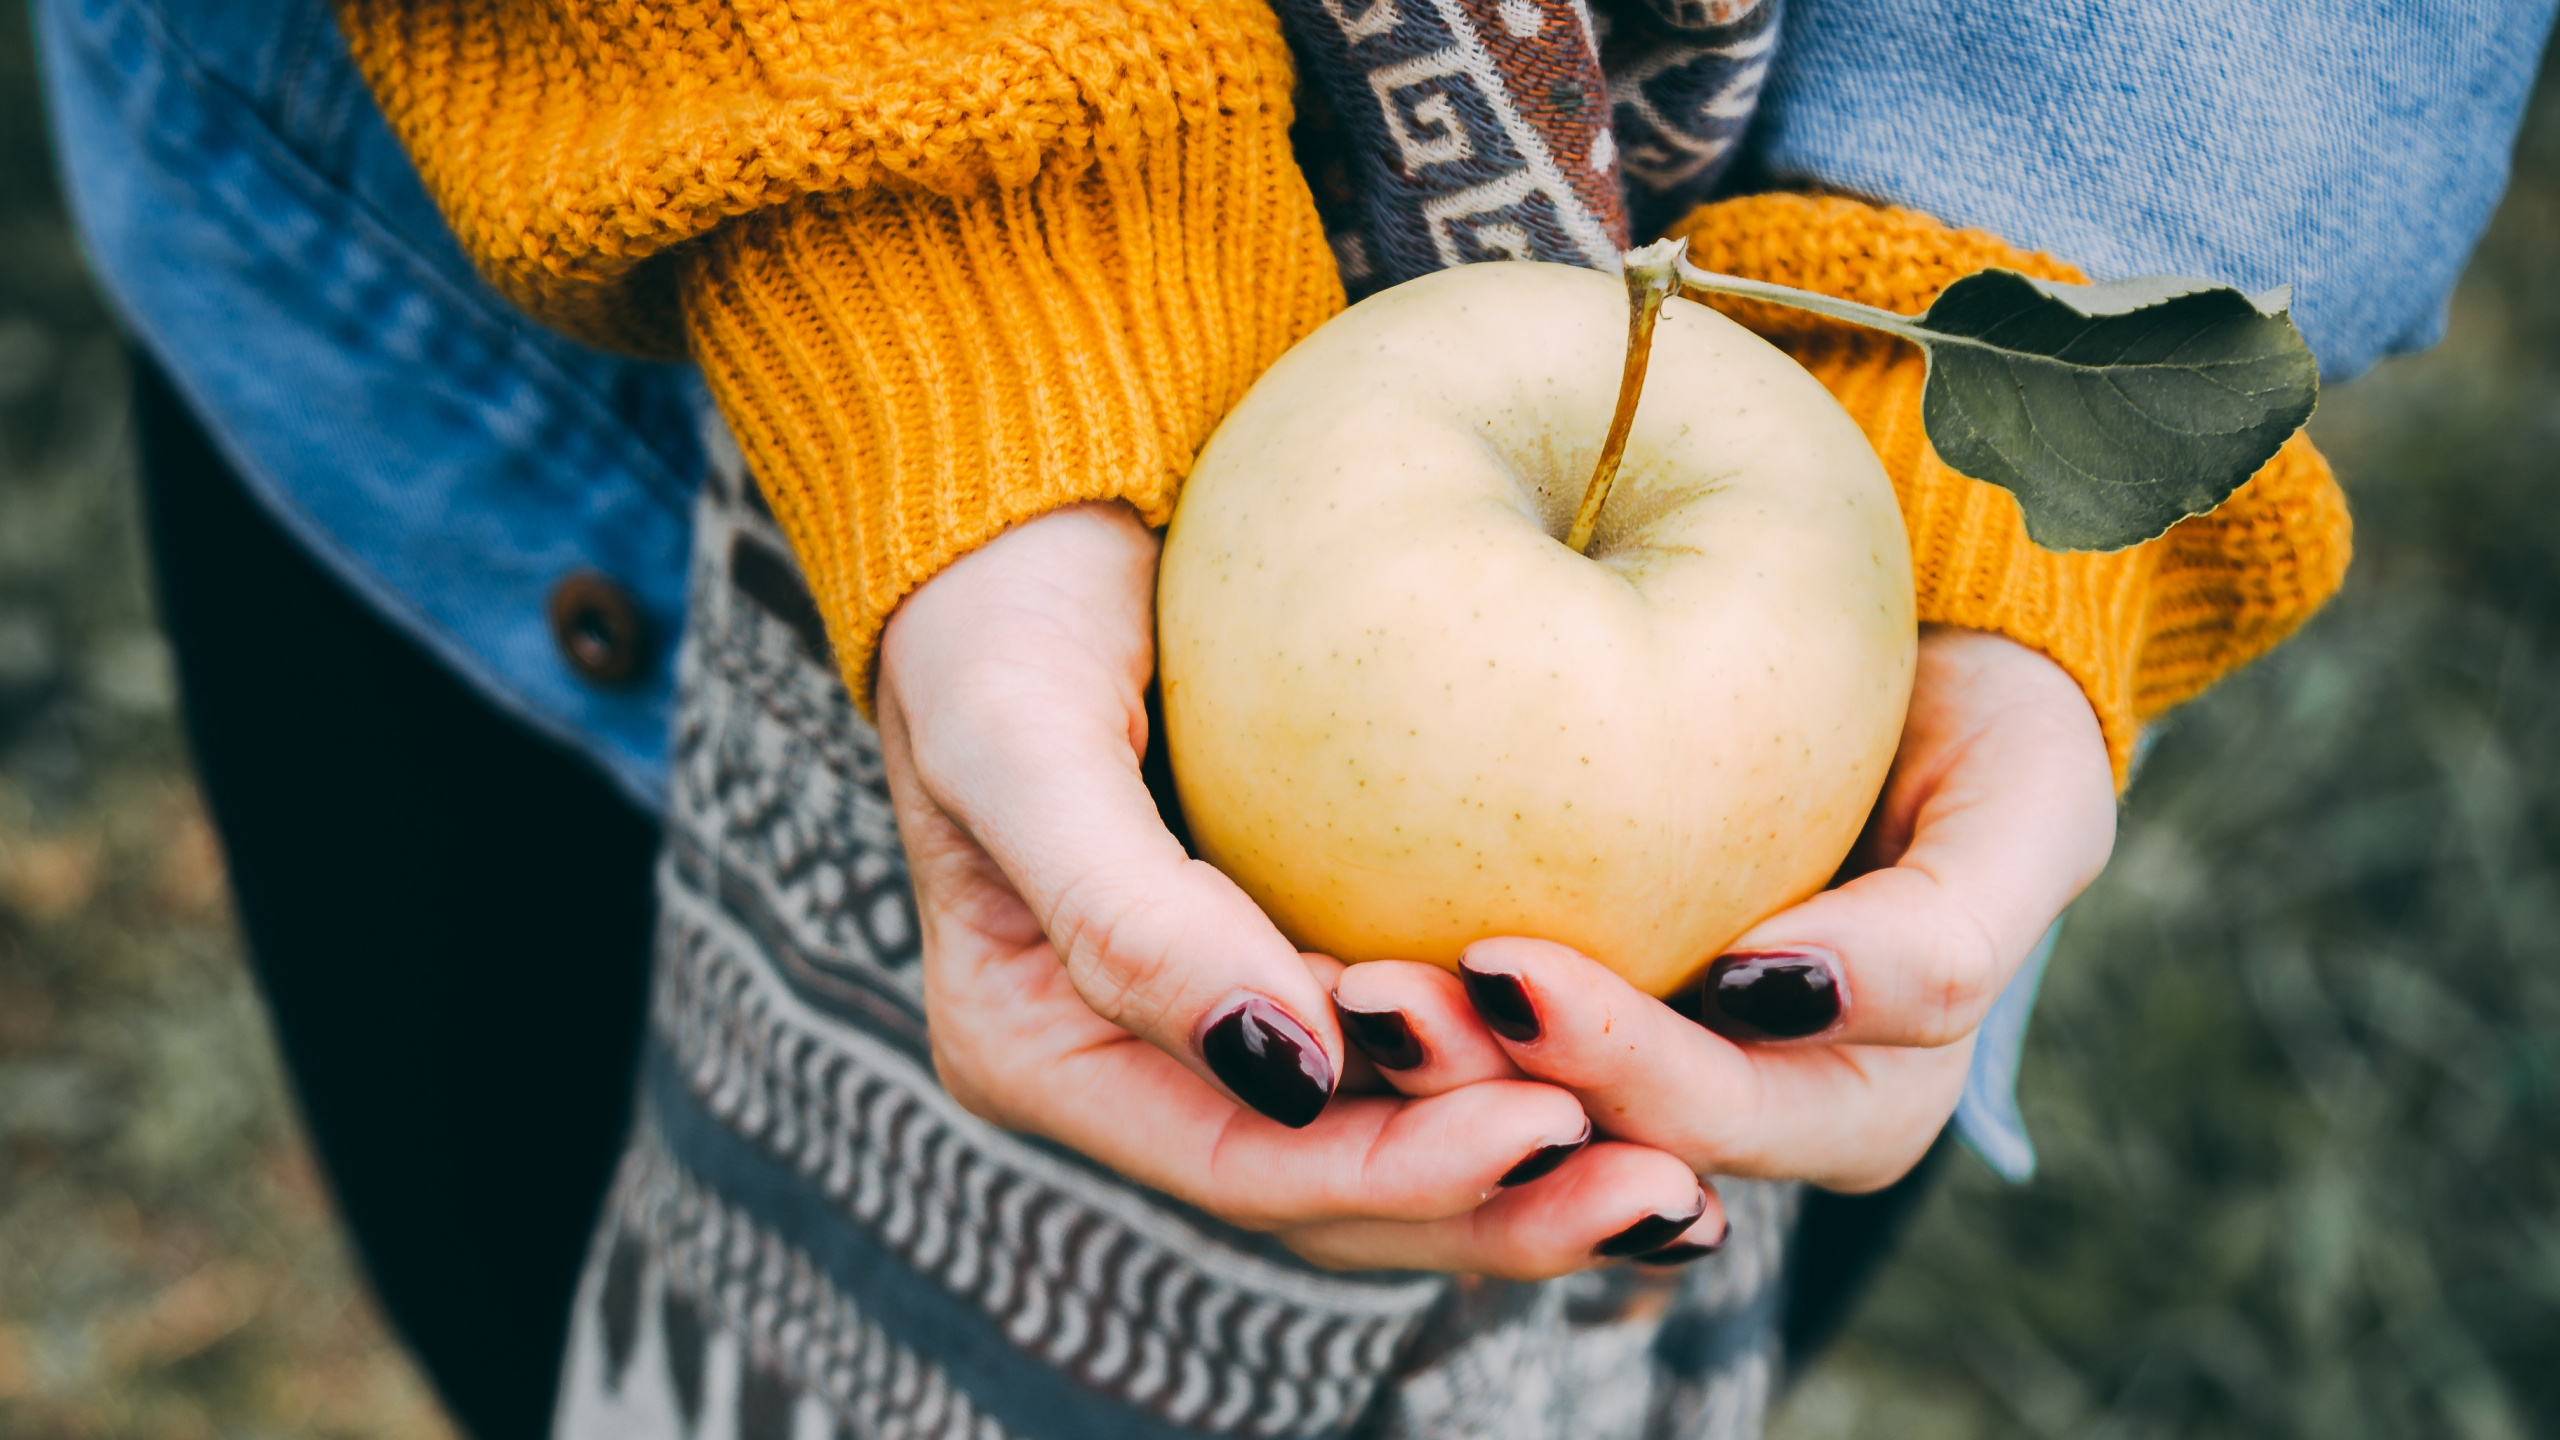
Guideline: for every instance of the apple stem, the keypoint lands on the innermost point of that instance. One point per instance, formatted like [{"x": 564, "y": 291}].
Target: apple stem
[{"x": 1652, "y": 276}]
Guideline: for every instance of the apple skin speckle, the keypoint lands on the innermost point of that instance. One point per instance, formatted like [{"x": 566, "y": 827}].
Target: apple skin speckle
[{"x": 1638, "y": 753}]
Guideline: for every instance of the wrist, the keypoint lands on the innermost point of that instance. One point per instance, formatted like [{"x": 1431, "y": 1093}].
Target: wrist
[{"x": 1072, "y": 588}]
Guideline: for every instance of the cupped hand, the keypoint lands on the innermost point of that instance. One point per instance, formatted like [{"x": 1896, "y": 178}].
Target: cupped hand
[
  {"x": 1088, "y": 982},
  {"x": 1831, "y": 1043}
]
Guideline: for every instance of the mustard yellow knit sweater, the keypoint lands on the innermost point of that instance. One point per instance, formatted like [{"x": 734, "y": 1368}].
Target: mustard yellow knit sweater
[{"x": 948, "y": 266}]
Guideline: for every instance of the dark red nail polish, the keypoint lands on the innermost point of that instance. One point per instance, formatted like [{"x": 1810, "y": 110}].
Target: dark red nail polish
[
  {"x": 1385, "y": 1036},
  {"x": 1681, "y": 1252},
  {"x": 1771, "y": 994},
  {"x": 1257, "y": 1050},
  {"x": 1543, "y": 1161},
  {"x": 1503, "y": 1002},
  {"x": 1649, "y": 1234}
]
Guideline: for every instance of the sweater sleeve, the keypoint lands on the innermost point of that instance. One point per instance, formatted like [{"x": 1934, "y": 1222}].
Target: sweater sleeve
[
  {"x": 945, "y": 266},
  {"x": 2140, "y": 629},
  {"x": 948, "y": 267}
]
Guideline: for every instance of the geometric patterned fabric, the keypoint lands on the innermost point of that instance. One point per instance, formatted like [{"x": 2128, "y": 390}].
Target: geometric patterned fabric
[
  {"x": 1444, "y": 132},
  {"x": 808, "y": 1239}
]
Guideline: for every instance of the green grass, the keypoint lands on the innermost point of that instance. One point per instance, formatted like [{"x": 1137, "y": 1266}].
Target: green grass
[{"x": 2295, "y": 1079}]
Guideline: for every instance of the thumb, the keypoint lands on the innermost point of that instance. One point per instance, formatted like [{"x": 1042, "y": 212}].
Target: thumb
[
  {"x": 1162, "y": 945},
  {"x": 1016, "y": 681}
]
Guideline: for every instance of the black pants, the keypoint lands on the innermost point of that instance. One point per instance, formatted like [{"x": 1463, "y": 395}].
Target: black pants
[{"x": 449, "y": 918}]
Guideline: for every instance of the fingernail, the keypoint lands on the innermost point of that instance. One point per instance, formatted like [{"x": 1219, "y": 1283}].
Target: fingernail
[
  {"x": 1650, "y": 1233},
  {"x": 1385, "y": 1036},
  {"x": 1681, "y": 1252},
  {"x": 1772, "y": 994},
  {"x": 1503, "y": 1002},
  {"x": 1543, "y": 1161},
  {"x": 1257, "y": 1050}
]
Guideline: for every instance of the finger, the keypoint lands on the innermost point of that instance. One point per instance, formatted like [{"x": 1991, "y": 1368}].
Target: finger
[
  {"x": 1849, "y": 1117},
  {"x": 1366, "y": 1156},
  {"x": 1360, "y": 1075},
  {"x": 1613, "y": 1202},
  {"x": 1160, "y": 945},
  {"x": 2011, "y": 816},
  {"x": 1034, "y": 1058},
  {"x": 1015, "y": 682},
  {"x": 1413, "y": 1022}
]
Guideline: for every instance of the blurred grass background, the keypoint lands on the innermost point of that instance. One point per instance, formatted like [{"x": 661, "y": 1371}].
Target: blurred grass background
[
  {"x": 169, "y": 1268},
  {"x": 2295, "y": 1078}
]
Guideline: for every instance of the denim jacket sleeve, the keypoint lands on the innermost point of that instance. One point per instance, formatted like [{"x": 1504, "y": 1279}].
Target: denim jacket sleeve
[
  {"x": 2354, "y": 153},
  {"x": 260, "y": 232}
]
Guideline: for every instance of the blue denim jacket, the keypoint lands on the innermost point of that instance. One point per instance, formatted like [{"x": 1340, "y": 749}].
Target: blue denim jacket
[{"x": 263, "y": 234}]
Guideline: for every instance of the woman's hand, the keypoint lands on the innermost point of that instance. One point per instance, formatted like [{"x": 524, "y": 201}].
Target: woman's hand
[
  {"x": 1087, "y": 982},
  {"x": 1832, "y": 1042}
]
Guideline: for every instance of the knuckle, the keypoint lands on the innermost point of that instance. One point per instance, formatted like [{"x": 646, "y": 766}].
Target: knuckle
[
  {"x": 968, "y": 1083},
  {"x": 1395, "y": 1179},
  {"x": 1320, "y": 1249},
  {"x": 1723, "y": 1138},
  {"x": 1224, "y": 1184},
  {"x": 1959, "y": 978},
  {"x": 1599, "y": 1050},
  {"x": 1736, "y": 1137},
  {"x": 1914, "y": 1094},
  {"x": 1506, "y": 1253},
  {"x": 1104, "y": 935},
  {"x": 1532, "y": 1269},
  {"x": 1243, "y": 1216},
  {"x": 1885, "y": 1165}
]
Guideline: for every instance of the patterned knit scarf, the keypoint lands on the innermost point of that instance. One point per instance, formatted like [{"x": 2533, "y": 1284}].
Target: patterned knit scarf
[{"x": 1442, "y": 132}]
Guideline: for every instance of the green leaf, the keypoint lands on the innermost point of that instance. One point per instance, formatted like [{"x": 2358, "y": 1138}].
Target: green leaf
[{"x": 2111, "y": 411}]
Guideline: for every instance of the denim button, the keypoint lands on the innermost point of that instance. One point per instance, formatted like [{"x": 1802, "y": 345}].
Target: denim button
[{"x": 598, "y": 627}]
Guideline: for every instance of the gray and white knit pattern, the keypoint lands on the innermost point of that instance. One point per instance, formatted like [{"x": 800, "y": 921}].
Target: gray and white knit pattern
[
  {"x": 705, "y": 1322},
  {"x": 1088, "y": 1274},
  {"x": 810, "y": 1240}
]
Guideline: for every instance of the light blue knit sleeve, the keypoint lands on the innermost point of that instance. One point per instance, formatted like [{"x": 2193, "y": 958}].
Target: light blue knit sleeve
[{"x": 2354, "y": 152}]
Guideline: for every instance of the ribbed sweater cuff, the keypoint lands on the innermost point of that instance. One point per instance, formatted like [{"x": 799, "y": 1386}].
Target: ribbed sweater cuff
[
  {"x": 910, "y": 374},
  {"x": 1971, "y": 561},
  {"x": 2233, "y": 583},
  {"x": 2139, "y": 629}
]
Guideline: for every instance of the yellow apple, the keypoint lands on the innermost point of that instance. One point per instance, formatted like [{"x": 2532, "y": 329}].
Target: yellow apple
[{"x": 1403, "y": 716}]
